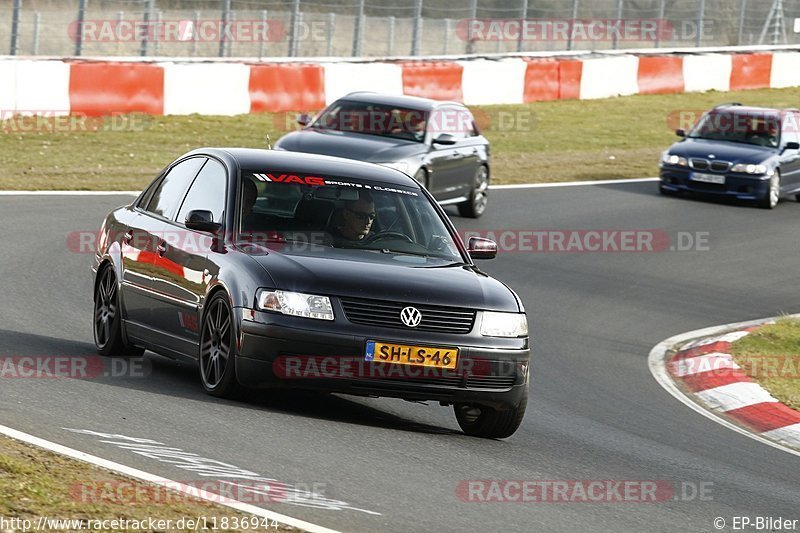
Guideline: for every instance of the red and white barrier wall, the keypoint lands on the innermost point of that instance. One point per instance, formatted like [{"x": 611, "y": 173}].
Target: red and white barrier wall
[{"x": 231, "y": 88}]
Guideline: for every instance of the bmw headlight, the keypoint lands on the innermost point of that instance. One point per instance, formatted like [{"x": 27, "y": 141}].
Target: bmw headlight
[
  {"x": 749, "y": 169},
  {"x": 670, "y": 159},
  {"x": 504, "y": 324},
  {"x": 402, "y": 166},
  {"x": 295, "y": 304}
]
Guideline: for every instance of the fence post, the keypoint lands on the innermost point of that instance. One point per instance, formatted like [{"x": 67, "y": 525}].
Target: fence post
[
  {"x": 615, "y": 37},
  {"x": 156, "y": 30},
  {"x": 742, "y": 8},
  {"x": 79, "y": 32},
  {"x": 701, "y": 14},
  {"x": 148, "y": 7},
  {"x": 473, "y": 14},
  {"x": 195, "y": 32},
  {"x": 662, "y": 10},
  {"x": 415, "y": 32},
  {"x": 15, "y": 27},
  {"x": 226, "y": 11},
  {"x": 523, "y": 15},
  {"x": 358, "y": 29},
  {"x": 293, "y": 27},
  {"x": 448, "y": 29},
  {"x": 37, "y": 21},
  {"x": 575, "y": 4},
  {"x": 263, "y": 32},
  {"x": 390, "y": 51},
  {"x": 331, "y": 21}
]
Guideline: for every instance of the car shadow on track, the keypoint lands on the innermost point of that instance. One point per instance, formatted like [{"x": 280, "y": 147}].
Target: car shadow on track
[{"x": 154, "y": 374}]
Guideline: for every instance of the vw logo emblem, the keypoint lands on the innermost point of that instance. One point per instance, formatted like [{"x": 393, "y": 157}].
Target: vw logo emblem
[{"x": 411, "y": 316}]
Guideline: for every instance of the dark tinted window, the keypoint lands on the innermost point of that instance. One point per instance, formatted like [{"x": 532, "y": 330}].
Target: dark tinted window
[
  {"x": 148, "y": 193},
  {"x": 169, "y": 194},
  {"x": 207, "y": 192}
]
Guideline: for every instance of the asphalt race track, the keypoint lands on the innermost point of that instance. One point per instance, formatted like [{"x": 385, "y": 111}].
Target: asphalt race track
[{"x": 595, "y": 411}]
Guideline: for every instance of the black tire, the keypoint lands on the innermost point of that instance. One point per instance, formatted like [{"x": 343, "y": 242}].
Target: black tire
[
  {"x": 478, "y": 197},
  {"x": 667, "y": 192},
  {"x": 217, "y": 355},
  {"x": 107, "y": 321},
  {"x": 773, "y": 196},
  {"x": 489, "y": 423}
]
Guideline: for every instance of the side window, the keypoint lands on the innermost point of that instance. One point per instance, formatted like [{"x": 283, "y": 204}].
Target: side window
[
  {"x": 148, "y": 193},
  {"x": 791, "y": 124},
  {"x": 453, "y": 120},
  {"x": 168, "y": 195},
  {"x": 207, "y": 192}
]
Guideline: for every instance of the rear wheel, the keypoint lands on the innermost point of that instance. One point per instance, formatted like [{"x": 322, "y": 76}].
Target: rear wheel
[
  {"x": 479, "y": 196},
  {"x": 487, "y": 422},
  {"x": 218, "y": 349},
  {"x": 773, "y": 196},
  {"x": 108, "y": 336}
]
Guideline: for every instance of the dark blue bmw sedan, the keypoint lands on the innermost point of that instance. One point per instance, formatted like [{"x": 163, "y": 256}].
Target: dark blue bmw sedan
[{"x": 747, "y": 153}]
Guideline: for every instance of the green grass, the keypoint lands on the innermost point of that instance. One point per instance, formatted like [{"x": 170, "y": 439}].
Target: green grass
[
  {"x": 36, "y": 483},
  {"x": 771, "y": 356},
  {"x": 540, "y": 142}
]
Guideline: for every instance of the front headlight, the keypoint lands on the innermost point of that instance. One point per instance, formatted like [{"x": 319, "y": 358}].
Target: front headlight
[
  {"x": 669, "y": 159},
  {"x": 295, "y": 304},
  {"x": 504, "y": 324},
  {"x": 402, "y": 166},
  {"x": 749, "y": 169}
]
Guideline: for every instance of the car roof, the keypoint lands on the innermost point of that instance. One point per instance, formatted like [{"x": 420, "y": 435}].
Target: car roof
[
  {"x": 414, "y": 102},
  {"x": 753, "y": 110},
  {"x": 302, "y": 163}
]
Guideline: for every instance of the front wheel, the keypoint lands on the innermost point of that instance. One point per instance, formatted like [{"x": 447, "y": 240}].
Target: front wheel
[
  {"x": 108, "y": 337},
  {"x": 479, "y": 196},
  {"x": 218, "y": 349},
  {"x": 489, "y": 423},
  {"x": 773, "y": 195}
]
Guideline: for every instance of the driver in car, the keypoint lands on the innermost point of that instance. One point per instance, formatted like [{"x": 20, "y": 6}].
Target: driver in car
[{"x": 353, "y": 222}]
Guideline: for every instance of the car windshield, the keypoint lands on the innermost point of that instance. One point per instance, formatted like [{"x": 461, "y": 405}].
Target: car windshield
[
  {"x": 761, "y": 129},
  {"x": 312, "y": 215},
  {"x": 374, "y": 119}
]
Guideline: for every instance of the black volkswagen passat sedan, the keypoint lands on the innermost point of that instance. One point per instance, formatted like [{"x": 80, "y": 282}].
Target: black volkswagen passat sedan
[
  {"x": 746, "y": 153},
  {"x": 278, "y": 269},
  {"x": 436, "y": 142}
]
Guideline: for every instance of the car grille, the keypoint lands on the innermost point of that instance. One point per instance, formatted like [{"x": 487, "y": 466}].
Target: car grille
[
  {"x": 387, "y": 314},
  {"x": 705, "y": 164}
]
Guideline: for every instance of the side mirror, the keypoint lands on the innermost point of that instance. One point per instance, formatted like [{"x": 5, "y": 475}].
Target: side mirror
[
  {"x": 304, "y": 119},
  {"x": 444, "y": 139},
  {"x": 792, "y": 146},
  {"x": 680, "y": 132},
  {"x": 201, "y": 220},
  {"x": 479, "y": 248}
]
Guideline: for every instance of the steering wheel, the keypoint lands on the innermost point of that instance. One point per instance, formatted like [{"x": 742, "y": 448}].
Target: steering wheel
[{"x": 388, "y": 235}]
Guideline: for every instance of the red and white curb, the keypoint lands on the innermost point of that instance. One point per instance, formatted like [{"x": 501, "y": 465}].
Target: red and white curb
[{"x": 697, "y": 369}]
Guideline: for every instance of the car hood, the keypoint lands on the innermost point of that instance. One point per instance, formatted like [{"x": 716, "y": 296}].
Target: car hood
[
  {"x": 359, "y": 146},
  {"x": 725, "y": 151},
  {"x": 457, "y": 285}
]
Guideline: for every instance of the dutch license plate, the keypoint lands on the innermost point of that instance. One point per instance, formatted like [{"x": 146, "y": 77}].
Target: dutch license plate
[
  {"x": 404, "y": 354},
  {"x": 708, "y": 178}
]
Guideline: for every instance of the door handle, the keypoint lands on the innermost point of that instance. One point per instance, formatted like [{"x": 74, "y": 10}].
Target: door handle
[
  {"x": 162, "y": 248},
  {"x": 128, "y": 237}
]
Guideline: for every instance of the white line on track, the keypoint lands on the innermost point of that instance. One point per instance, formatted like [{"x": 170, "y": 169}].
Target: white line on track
[
  {"x": 158, "y": 480},
  {"x": 493, "y": 187},
  {"x": 658, "y": 367}
]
